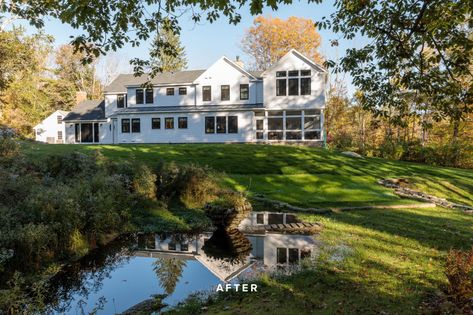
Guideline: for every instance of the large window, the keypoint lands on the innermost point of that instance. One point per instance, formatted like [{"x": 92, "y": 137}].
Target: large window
[
  {"x": 139, "y": 96},
  {"x": 305, "y": 86},
  {"x": 293, "y": 82},
  {"x": 289, "y": 125},
  {"x": 232, "y": 124},
  {"x": 135, "y": 125},
  {"x": 182, "y": 122},
  {"x": 120, "y": 101},
  {"x": 169, "y": 122},
  {"x": 225, "y": 92},
  {"x": 155, "y": 123},
  {"x": 281, "y": 87},
  {"x": 149, "y": 96},
  {"x": 244, "y": 92},
  {"x": 221, "y": 124},
  {"x": 206, "y": 93},
  {"x": 293, "y": 86},
  {"x": 125, "y": 125},
  {"x": 210, "y": 124}
]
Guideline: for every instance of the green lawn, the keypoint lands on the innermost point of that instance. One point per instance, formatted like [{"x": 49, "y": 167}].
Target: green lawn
[
  {"x": 394, "y": 259},
  {"x": 393, "y": 263},
  {"x": 299, "y": 175}
]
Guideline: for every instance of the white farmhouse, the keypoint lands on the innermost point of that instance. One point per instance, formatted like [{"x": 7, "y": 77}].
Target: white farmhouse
[
  {"x": 224, "y": 103},
  {"x": 51, "y": 129}
]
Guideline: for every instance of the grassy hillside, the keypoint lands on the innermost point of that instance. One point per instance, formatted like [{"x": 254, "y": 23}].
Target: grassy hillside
[
  {"x": 389, "y": 262},
  {"x": 298, "y": 175}
]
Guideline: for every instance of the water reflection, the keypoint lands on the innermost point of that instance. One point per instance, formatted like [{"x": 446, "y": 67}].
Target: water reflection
[{"x": 139, "y": 267}]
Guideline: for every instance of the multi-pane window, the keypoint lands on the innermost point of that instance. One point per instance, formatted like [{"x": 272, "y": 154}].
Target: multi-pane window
[
  {"x": 149, "y": 96},
  {"x": 232, "y": 124},
  {"x": 210, "y": 124},
  {"x": 244, "y": 92},
  {"x": 305, "y": 86},
  {"x": 135, "y": 125},
  {"x": 125, "y": 125},
  {"x": 155, "y": 123},
  {"x": 293, "y": 82},
  {"x": 225, "y": 92},
  {"x": 290, "y": 125},
  {"x": 182, "y": 91},
  {"x": 182, "y": 122},
  {"x": 221, "y": 124},
  {"x": 169, "y": 122},
  {"x": 293, "y": 86},
  {"x": 139, "y": 96},
  {"x": 59, "y": 119},
  {"x": 281, "y": 87},
  {"x": 170, "y": 91},
  {"x": 206, "y": 93},
  {"x": 120, "y": 101},
  {"x": 59, "y": 135}
]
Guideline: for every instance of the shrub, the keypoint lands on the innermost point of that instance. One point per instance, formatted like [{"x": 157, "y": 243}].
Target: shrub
[
  {"x": 144, "y": 182},
  {"x": 459, "y": 272},
  {"x": 8, "y": 147},
  {"x": 193, "y": 185},
  {"x": 390, "y": 150}
]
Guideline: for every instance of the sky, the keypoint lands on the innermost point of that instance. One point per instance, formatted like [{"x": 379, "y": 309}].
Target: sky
[{"x": 206, "y": 42}]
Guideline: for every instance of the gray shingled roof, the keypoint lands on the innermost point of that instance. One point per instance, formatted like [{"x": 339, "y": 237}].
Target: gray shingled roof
[
  {"x": 120, "y": 83},
  {"x": 87, "y": 110},
  {"x": 172, "y": 109}
]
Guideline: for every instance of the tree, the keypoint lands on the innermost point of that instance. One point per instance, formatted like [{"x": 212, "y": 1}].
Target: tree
[
  {"x": 71, "y": 69},
  {"x": 421, "y": 48},
  {"x": 167, "y": 53},
  {"x": 394, "y": 60},
  {"x": 169, "y": 271},
  {"x": 271, "y": 38}
]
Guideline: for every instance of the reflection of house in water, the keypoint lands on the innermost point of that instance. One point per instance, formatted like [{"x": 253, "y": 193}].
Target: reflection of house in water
[{"x": 268, "y": 249}]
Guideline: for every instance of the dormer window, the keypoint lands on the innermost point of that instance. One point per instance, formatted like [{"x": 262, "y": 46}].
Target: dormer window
[
  {"x": 139, "y": 96},
  {"x": 149, "y": 96}
]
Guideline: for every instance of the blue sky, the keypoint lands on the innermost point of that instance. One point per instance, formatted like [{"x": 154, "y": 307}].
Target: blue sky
[{"x": 206, "y": 42}]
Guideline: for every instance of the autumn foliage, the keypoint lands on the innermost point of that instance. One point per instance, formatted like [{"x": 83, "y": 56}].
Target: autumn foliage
[{"x": 271, "y": 38}]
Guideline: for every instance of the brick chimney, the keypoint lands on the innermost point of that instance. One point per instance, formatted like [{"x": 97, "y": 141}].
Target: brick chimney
[
  {"x": 81, "y": 96},
  {"x": 239, "y": 62}
]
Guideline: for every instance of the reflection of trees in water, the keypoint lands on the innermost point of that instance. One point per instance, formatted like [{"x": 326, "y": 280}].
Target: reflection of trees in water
[
  {"x": 169, "y": 271},
  {"x": 79, "y": 279},
  {"x": 231, "y": 245}
]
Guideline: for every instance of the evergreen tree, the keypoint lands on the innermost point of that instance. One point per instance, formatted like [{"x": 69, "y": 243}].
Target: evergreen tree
[{"x": 167, "y": 53}]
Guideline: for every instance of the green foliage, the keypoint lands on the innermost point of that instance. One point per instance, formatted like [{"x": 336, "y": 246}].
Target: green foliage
[
  {"x": 419, "y": 52},
  {"x": 9, "y": 147},
  {"x": 167, "y": 53},
  {"x": 459, "y": 272},
  {"x": 193, "y": 185}
]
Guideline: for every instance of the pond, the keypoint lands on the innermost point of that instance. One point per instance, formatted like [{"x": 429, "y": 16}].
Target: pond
[{"x": 135, "y": 268}]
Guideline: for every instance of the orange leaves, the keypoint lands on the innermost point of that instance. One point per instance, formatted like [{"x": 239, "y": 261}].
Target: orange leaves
[{"x": 271, "y": 38}]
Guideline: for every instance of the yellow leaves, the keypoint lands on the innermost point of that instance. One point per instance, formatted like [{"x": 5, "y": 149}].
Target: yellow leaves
[{"x": 271, "y": 38}]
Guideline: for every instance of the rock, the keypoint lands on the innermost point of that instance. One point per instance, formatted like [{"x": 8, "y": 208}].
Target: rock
[{"x": 352, "y": 154}]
